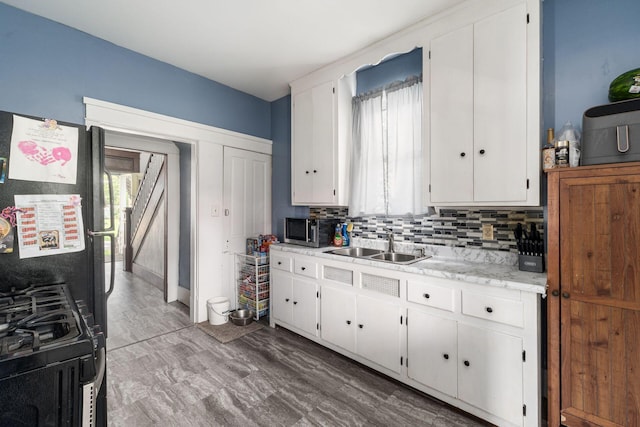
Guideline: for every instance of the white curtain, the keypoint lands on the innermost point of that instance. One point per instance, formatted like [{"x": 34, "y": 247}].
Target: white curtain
[
  {"x": 367, "y": 177},
  {"x": 386, "y": 161},
  {"x": 404, "y": 148}
]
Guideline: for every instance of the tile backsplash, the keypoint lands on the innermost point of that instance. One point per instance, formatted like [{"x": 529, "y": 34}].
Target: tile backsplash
[{"x": 445, "y": 227}]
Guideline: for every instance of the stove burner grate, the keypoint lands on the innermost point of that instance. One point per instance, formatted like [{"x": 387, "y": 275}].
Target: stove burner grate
[{"x": 34, "y": 318}]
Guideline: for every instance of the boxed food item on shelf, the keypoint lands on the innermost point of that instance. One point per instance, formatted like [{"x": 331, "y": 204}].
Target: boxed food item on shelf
[{"x": 260, "y": 244}]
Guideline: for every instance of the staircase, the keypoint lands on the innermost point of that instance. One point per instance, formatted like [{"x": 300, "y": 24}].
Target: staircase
[{"x": 140, "y": 218}]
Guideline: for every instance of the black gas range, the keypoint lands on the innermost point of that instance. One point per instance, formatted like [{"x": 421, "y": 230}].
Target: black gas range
[{"x": 52, "y": 358}]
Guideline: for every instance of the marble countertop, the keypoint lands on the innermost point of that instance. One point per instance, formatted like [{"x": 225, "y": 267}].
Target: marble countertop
[{"x": 478, "y": 266}]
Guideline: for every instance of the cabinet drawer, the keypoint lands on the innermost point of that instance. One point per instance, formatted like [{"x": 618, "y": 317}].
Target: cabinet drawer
[
  {"x": 306, "y": 268},
  {"x": 281, "y": 262},
  {"x": 431, "y": 295},
  {"x": 502, "y": 310}
]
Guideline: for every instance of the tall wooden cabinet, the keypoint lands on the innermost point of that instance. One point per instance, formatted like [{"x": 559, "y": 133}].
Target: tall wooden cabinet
[{"x": 594, "y": 295}]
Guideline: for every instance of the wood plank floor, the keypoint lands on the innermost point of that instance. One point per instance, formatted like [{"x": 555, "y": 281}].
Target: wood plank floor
[{"x": 168, "y": 372}]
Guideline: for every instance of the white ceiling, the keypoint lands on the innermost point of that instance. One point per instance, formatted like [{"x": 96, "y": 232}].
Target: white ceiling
[{"x": 256, "y": 46}]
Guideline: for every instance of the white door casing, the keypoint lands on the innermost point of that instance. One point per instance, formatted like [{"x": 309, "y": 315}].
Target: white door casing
[{"x": 206, "y": 182}]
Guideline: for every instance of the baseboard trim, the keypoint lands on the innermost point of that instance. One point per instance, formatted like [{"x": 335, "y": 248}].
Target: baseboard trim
[
  {"x": 184, "y": 296},
  {"x": 148, "y": 276}
]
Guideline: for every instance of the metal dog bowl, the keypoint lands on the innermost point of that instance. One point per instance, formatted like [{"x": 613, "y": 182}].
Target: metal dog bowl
[{"x": 241, "y": 317}]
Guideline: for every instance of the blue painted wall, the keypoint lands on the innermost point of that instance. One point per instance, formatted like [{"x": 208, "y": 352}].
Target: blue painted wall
[
  {"x": 46, "y": 68},
  {"x": 587, "y": 43},
  {"x": 395, "y": 69},
  {"x": 281, "y": 176}
]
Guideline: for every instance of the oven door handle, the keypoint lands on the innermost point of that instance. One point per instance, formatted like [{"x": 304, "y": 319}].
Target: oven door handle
[{"x": 110, "y": 233}]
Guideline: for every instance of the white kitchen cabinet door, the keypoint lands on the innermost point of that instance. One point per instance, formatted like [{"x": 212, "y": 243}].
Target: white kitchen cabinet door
[
  {"x": 479, "y": 151},
  {"x": 305, "y": 305},
  {"x": 313, "y": 148},
  {"x": 490, "y": 371},
  {"x": 338, "y": 317},
  {"x": 500, "y": 112},
  {"x": 378, "y": 332},
  {"x": 281, "y": 296},
  {"x": 451, "y": 153},
  {"x": 433, "y": 351}
]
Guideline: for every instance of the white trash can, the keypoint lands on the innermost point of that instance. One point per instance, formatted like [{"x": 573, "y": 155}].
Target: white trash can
[{"x": 218, "y": 310}]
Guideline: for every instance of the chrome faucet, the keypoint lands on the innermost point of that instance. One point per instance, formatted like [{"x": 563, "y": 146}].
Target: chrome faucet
[{"x": 390, "y": 239}]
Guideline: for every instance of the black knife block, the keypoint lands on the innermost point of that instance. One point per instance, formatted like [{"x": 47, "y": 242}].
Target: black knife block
[{"x": 531, "y": 263}]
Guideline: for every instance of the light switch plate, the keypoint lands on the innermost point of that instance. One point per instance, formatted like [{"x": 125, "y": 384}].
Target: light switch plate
[
  {"x": 215, "y": 210},
  {"x": 487, "y": 231}
]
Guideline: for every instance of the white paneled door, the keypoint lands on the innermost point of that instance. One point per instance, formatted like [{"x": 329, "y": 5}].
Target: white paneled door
[{"x": 247, "y": 206}]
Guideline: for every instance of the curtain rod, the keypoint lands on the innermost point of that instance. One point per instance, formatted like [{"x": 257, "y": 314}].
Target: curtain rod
[{"x": 409, "y": 81}]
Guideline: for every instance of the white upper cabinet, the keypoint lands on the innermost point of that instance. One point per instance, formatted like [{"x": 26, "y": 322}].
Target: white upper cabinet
[
  {"x": 484, "y": 138},
  {"x": 451, "y": 81},
  {"x": 500, "y": 107},
  {"x": 321, "y": 129},
  {"x": 313, "y": 149},
  {"x": 481, "y": 121}
]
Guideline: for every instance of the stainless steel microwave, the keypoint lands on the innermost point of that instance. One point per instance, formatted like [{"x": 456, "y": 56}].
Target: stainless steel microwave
[{"x": 309, "y": 232}]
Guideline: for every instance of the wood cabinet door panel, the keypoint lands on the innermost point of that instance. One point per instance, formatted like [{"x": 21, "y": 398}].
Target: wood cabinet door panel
[
  {"x": 599, "y": 222},
  {"x": 600, "y": 241},
  {"x": 600, "y": 380}
]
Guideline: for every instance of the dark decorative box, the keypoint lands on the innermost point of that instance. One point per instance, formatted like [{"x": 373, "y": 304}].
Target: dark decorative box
[{"x": 531, "y": 263}]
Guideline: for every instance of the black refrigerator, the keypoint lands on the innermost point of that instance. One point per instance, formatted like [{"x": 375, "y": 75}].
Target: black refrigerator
[{"x": 53, "y": 298}]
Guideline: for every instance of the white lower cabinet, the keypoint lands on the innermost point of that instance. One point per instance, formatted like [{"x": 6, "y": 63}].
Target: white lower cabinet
[
  {"x": 367, "y": 326},
  {"x": 295, "y": 301},
  {"x": 473, "y": 346},
  {"x": 479, "y": 366},
  {"x": 490, "y": 371},
  {"x": 338, "y": 317},
  {"x": 432, "y": 351},
  {"x": 378, "y": 334},
  {"x": 281, "y": 289}
]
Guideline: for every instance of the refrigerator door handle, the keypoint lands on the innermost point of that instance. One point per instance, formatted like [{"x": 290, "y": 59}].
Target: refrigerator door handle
[{"x": 110, "y": 233}]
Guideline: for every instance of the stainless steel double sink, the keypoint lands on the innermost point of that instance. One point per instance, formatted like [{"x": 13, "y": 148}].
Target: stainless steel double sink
[{"x": 379, "y": 255}]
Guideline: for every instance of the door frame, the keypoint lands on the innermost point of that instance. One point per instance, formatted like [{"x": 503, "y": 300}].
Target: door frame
[
  {"x": 171, "y": 211},
  {"x": 207, "y": 253}
]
